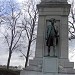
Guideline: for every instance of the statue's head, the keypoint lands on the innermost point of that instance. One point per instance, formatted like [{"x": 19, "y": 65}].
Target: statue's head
[{"x": 52, "y": 20}]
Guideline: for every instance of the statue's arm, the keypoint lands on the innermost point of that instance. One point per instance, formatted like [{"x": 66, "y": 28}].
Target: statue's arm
[{"x": 46, "y": 33}]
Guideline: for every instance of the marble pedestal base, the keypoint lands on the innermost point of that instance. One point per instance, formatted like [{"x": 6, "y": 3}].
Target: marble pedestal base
[
  {"x": 50, "y": 64},
  {"x": 24, "y": 72}
]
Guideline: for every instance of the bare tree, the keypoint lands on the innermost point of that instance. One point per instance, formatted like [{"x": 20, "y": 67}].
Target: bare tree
[
  {"x": 71, "y": 25},
  {"x": 1, "y": 12},
  {"x": 29, "y": 24},
  {"x": 72, "y": 21},
  {"x": 11, "y": 22}
]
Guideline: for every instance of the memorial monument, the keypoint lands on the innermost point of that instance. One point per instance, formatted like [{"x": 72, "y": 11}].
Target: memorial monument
[{"x": 51, "y": 55}]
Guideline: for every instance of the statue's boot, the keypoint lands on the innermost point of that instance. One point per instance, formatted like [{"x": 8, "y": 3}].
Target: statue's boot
[
  {"x": 48, "y": 54},
  {"x": 48, "y": 51}
]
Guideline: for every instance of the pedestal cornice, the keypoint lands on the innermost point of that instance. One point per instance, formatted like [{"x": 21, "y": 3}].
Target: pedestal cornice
[
  {"x": 65, "y": 1},
  {"x": 53, "y": 5}
]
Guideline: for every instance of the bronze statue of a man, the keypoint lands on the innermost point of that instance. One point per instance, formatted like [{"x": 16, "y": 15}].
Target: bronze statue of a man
[{"x": 51, "y": 36}]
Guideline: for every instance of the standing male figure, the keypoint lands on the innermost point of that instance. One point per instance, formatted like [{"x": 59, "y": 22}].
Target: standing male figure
[{"x": 51, "y": 36}]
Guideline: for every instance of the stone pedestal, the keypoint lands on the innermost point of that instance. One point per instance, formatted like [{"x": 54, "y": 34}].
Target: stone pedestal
[
  {"x": 50, "y": 65},
  {"x": 41, "y": 73}
]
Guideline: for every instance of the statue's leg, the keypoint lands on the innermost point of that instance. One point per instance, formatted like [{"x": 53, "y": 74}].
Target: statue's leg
[
  {"x": 53, "y": 50},
  {"x": 48, "y": 51},
  {"x": 54, "y": 41}
]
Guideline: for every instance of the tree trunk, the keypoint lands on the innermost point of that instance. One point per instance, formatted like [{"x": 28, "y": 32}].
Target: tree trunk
[
  {"x": 8, "y": 63},
  {"x": 29, "y": 44},
  {"x": 27, "y": 57}
]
